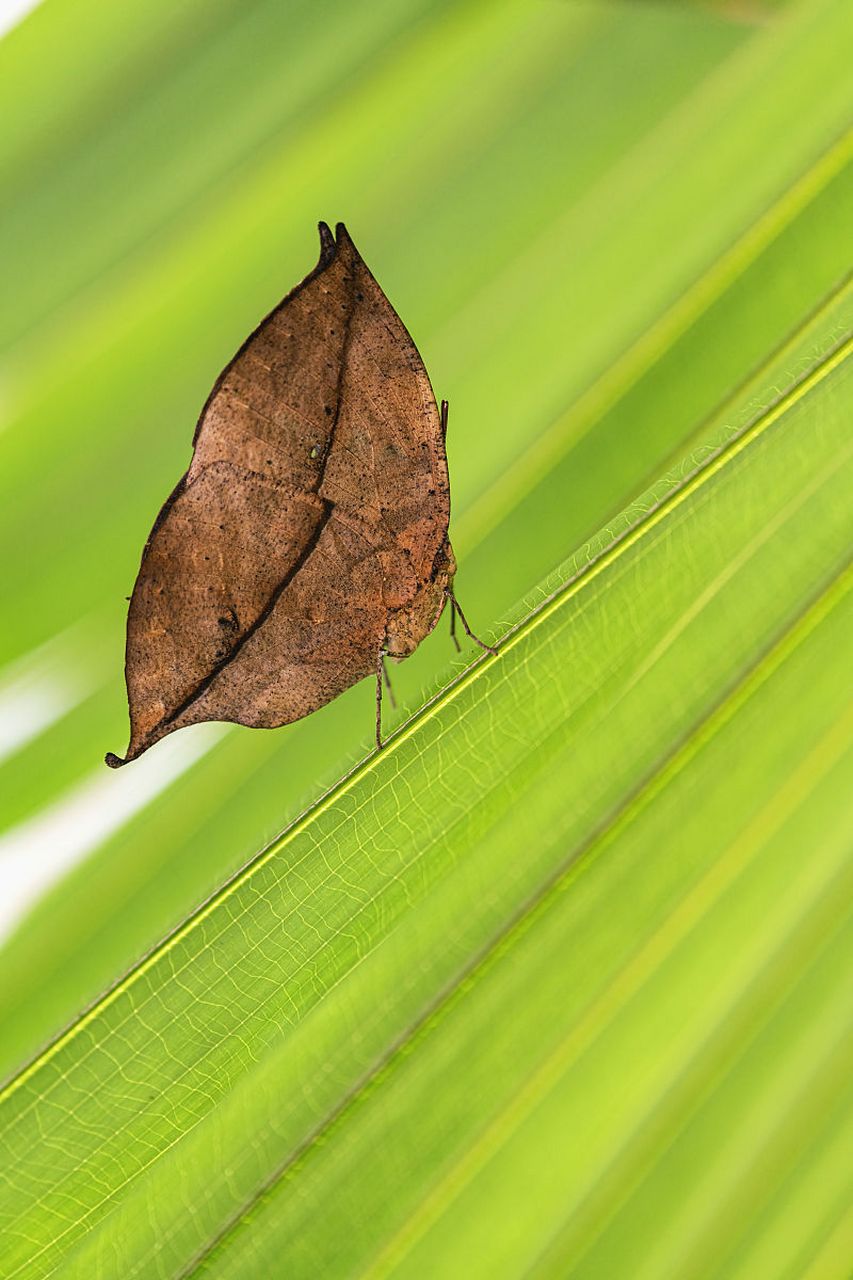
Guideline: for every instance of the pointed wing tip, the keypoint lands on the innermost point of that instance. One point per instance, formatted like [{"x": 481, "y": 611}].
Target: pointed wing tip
[
  {"x": 328, "y": 248},
  {"x": 114, "y": 761},
  {"x": 330, "y": 244},
  {"x": 344, "y": 239}
]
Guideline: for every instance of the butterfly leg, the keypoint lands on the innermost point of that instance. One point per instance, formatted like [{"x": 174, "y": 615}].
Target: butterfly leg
[
  {"x": 380, "y": 670},
  {"x": 382, "y": 677},
  {"x": 387, "y": 680},
  {"x": 457, "y": 608},
  {"x": 453, "y": 635}
]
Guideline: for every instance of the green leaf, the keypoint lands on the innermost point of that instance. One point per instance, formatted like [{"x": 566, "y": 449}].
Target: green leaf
[{"x": 361, "y": 1044}]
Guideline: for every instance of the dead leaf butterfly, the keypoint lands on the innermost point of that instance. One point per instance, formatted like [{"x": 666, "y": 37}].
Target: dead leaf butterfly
[{"x": 308, "y": 539}]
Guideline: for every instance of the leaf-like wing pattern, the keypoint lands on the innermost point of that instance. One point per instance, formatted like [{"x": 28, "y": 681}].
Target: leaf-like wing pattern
[{"x": 310, "y": 532}]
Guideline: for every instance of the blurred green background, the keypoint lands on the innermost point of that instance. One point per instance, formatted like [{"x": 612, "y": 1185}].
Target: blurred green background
[{"x": 606, "y": 225}]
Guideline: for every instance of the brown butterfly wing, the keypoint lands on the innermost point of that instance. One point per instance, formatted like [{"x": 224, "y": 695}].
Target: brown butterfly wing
[
  {"x": 309, "y": 526},
  {"x": 388, "y": 464}
]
